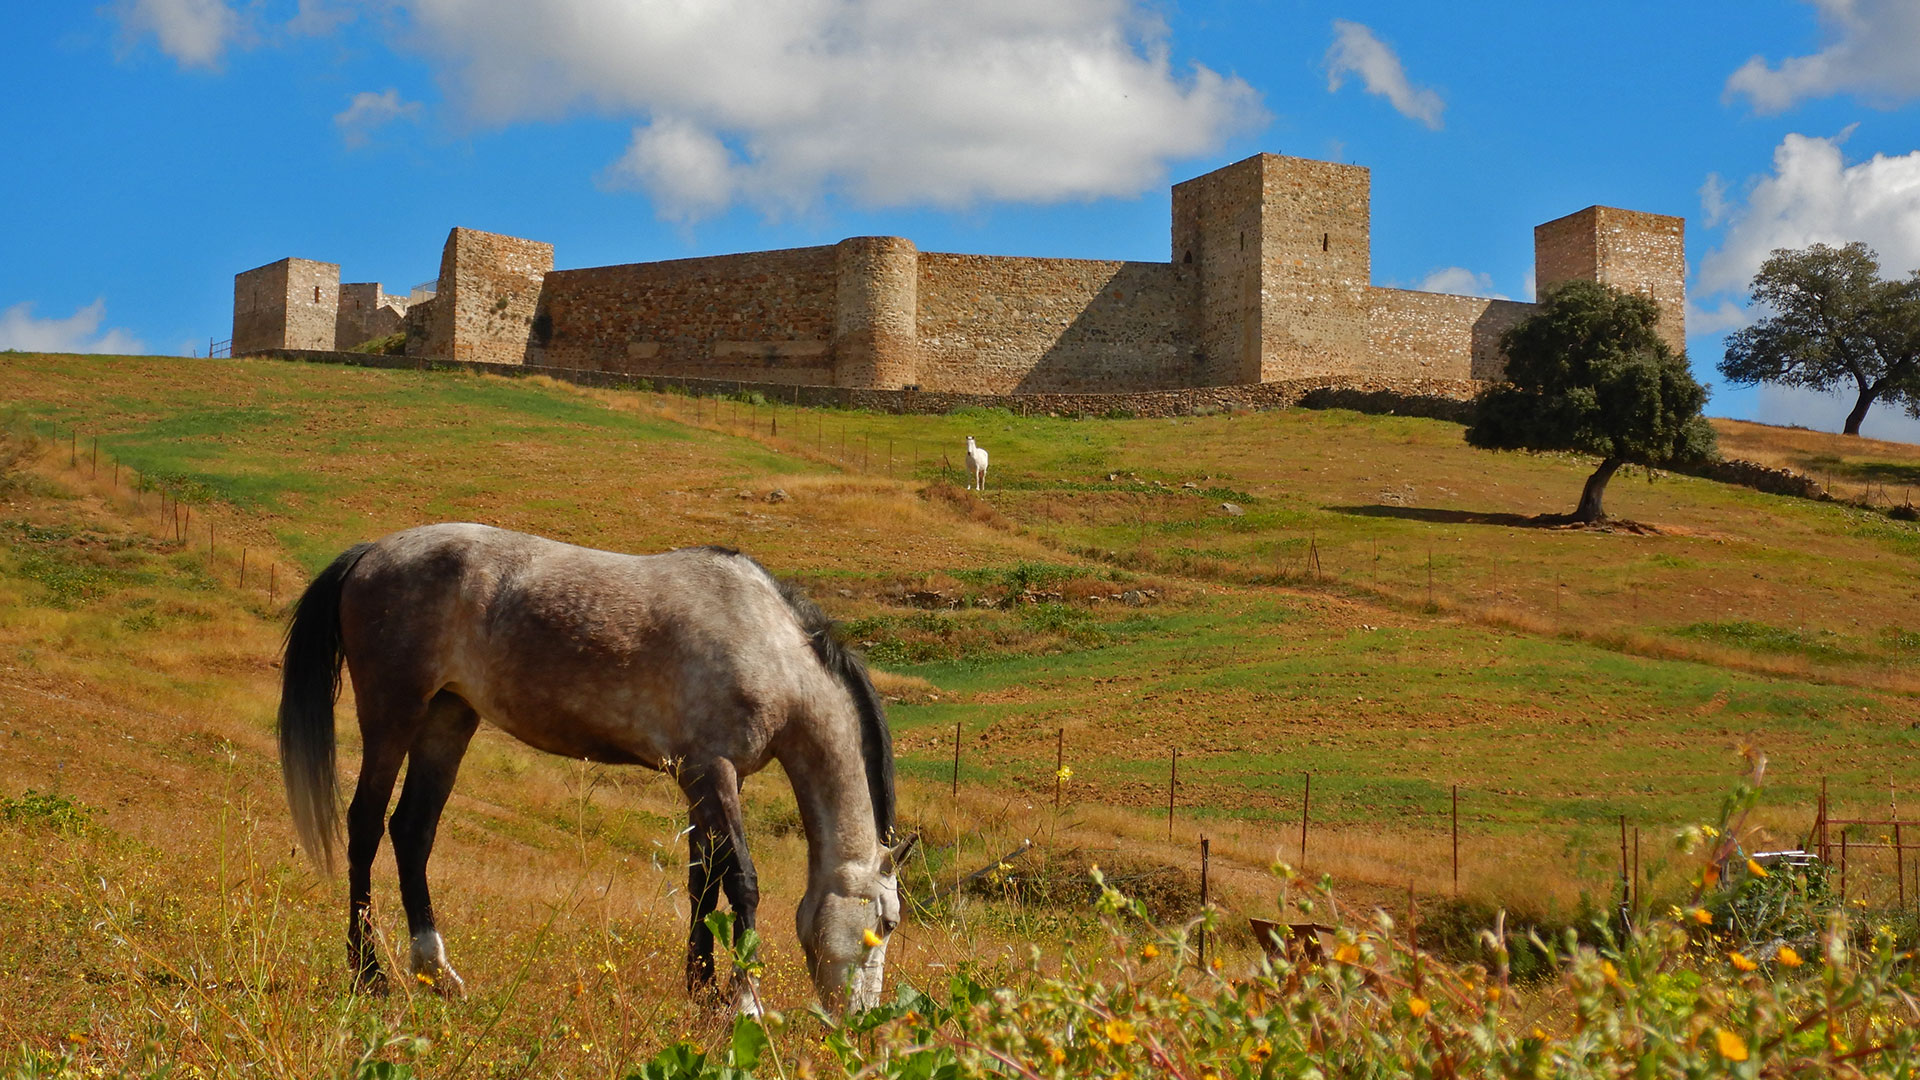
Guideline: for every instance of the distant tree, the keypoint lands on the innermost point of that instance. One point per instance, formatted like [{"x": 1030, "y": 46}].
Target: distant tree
[
  {"x": 1586, "y": 372},
  {"x": 1834, "y": 321}
]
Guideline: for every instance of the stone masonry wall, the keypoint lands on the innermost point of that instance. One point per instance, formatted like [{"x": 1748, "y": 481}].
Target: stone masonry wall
[
  {"x": 1628, "y": 249},
  {"x": 1217, "y": 222},
  {"x": 489, "y": 285},
  {"x": 367, "y": 312},
  {"x": 1317, "y": 268},
  {"x": 1434, "y": 335},
  {"x": 767, "y": 317},
  {"x": 996, "y": 325},
  {"x": 289, "y": 304}
]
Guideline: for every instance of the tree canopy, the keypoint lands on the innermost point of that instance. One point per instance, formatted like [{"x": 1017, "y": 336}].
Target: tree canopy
[
  {"x": 1586, "y": 372},
  {"x": 1833, "y": 322}
]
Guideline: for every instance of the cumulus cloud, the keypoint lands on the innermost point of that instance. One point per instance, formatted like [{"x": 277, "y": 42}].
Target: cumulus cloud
[
  {"x": 369, "y": 112},
  {"x": 79, "y": 332},
  {"x": 889, "y": 102},
  {"x": 1871, "y": 47},
  {"x": 193, "y": 32},
  {"x": 1356, "y": 51},
  {"x": 1814, "y": 196},
  {"x": 1460, "y": 281}
]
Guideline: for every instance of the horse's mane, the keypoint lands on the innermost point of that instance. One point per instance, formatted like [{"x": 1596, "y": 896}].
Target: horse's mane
[{"x": 876, "y": 742}]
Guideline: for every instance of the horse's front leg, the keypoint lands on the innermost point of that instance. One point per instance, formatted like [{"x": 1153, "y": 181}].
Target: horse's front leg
[{"x": 718, "y": 860}]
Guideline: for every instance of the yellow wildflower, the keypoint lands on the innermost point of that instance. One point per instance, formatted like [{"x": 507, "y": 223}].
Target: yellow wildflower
[
  {"x": 1710, "y": 830},
  {"x": 1065, "y": 773},
  {"x": 1056, "y": 1055},
  {"x": 1260, "y": 1051},
  {"x": 1418, "y": 1007},
  {"x": 1120, "y": 1031},
  {"x": 1701, "y": 915},
  {"x": 1756, "y": 869},
  {"x": 1347, "y": 954},
  {"x": 423, "y": 978},
  {"x": 872, "y": 939},
  {"x": 1609, "y": 973},
  {"x": 1732, "y": 1047},
  {"x": 1149, "y": 951},
  {"x": 1741, "y": 962},
  {"x": 1787, "y": 956}
]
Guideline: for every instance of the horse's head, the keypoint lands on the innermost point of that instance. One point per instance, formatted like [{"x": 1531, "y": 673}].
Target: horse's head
[{"x": 844, "y": 926}]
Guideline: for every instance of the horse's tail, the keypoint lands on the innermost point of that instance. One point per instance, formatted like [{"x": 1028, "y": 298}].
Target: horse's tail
[
  {"x": 876, "y": 741},
  {"x": 309, "y": 685}
]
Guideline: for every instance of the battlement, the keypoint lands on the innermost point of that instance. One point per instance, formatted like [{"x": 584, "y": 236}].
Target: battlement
[{"x": 1269, "y": 280}]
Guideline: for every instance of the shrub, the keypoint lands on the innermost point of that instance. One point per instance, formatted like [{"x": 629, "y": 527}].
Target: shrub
[{"x": 48, "y": 810}]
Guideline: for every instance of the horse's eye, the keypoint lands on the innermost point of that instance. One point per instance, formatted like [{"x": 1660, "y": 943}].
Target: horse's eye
[{"x": 887, "y": 925}]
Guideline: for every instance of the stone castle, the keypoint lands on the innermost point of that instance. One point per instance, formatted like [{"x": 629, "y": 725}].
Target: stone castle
[{"x": 1269, "y": 279}]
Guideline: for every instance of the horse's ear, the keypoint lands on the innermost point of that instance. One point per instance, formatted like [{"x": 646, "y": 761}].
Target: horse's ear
[{"x": 897, "y": 855}]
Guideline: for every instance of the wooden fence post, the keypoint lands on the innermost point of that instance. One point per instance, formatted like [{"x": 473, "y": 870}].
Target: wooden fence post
[
  {"x": 1173, "y": 777},
  {"x": 1204, "y": 859},
  {"x": 1306, "y": 799}
]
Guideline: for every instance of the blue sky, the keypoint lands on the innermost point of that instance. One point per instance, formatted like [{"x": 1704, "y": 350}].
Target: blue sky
[{"x": 159, "y": 146}]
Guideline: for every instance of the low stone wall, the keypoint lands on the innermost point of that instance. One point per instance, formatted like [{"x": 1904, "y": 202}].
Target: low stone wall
[
  {"x": 1155, "y": 403},
  {"x": 1760, "y": 477},
  {"x": 1449, "y": 400}
]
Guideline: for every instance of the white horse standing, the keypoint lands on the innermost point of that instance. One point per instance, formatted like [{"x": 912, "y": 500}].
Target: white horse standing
[{"x": 976, "y": 466}]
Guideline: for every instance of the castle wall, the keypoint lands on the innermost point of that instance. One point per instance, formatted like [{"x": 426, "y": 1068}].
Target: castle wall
[
  {"x": 1436, "y": 335},
  {"x": 489, "y": 285},
  {"x": 367, "y": 312},
  {"x": 426, "y": 331},
  {"x": 765, "y": 317},
  {"x": 1269, "y": 281},
  {"x": 1628, "y": 249},
  {"x": 289, "y": 304},
  {"x": 997, "y": 324}
]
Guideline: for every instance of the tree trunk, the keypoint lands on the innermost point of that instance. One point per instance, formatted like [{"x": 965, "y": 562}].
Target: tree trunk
[
  {"x": 1859, "y": 413},
  {"x": 1589, "y": 509}
]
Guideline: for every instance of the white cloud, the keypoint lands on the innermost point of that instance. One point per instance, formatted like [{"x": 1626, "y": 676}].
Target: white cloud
[
  {"x": 1713, "y": 200},
  {"x": 1356, "y": 51},
  {"x": 1871, "y": 49},
  {"x": 1459, "y": 281},
  {"x": 890, "y": 102},
  {"x": 1814, "y": 196},
  {"x": 369, "y": 111},
  {"x": 79, "y": 332},
  {"x": 193, "y": 32}
]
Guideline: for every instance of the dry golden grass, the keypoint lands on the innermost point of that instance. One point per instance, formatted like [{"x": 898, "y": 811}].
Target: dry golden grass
[{"x": 153, "y": 705}]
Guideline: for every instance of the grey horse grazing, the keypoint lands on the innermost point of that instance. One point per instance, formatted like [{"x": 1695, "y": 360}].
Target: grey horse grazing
[{"x": 696, "y": 662}]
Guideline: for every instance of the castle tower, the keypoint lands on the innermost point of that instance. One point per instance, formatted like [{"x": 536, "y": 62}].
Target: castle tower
[
  {"x": 1628, "y": 249},
  {"x": 484, "y": 309},
  {"x": 876, "y": 312},
  {"x": 1280, "y": 250},
  {"x": 290, "y": 304}
]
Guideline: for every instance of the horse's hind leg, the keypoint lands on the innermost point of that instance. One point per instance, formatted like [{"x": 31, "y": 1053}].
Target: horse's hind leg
[
  {"x": 432, "y": 762},
  {"x": 380, "y": 759},
  {"x": 718, "y": 860}
]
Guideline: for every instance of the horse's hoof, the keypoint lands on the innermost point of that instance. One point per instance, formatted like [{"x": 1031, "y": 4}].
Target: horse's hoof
[
  {"x": 430, "y": 967},
  {"x": 446, "y": 982},
  {"x": 371, "y": 982},
  {"x": 746, "y": 998}
]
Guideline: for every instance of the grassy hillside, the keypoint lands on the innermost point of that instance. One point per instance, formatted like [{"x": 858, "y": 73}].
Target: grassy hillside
[{"x": 1560, "y": 678}]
